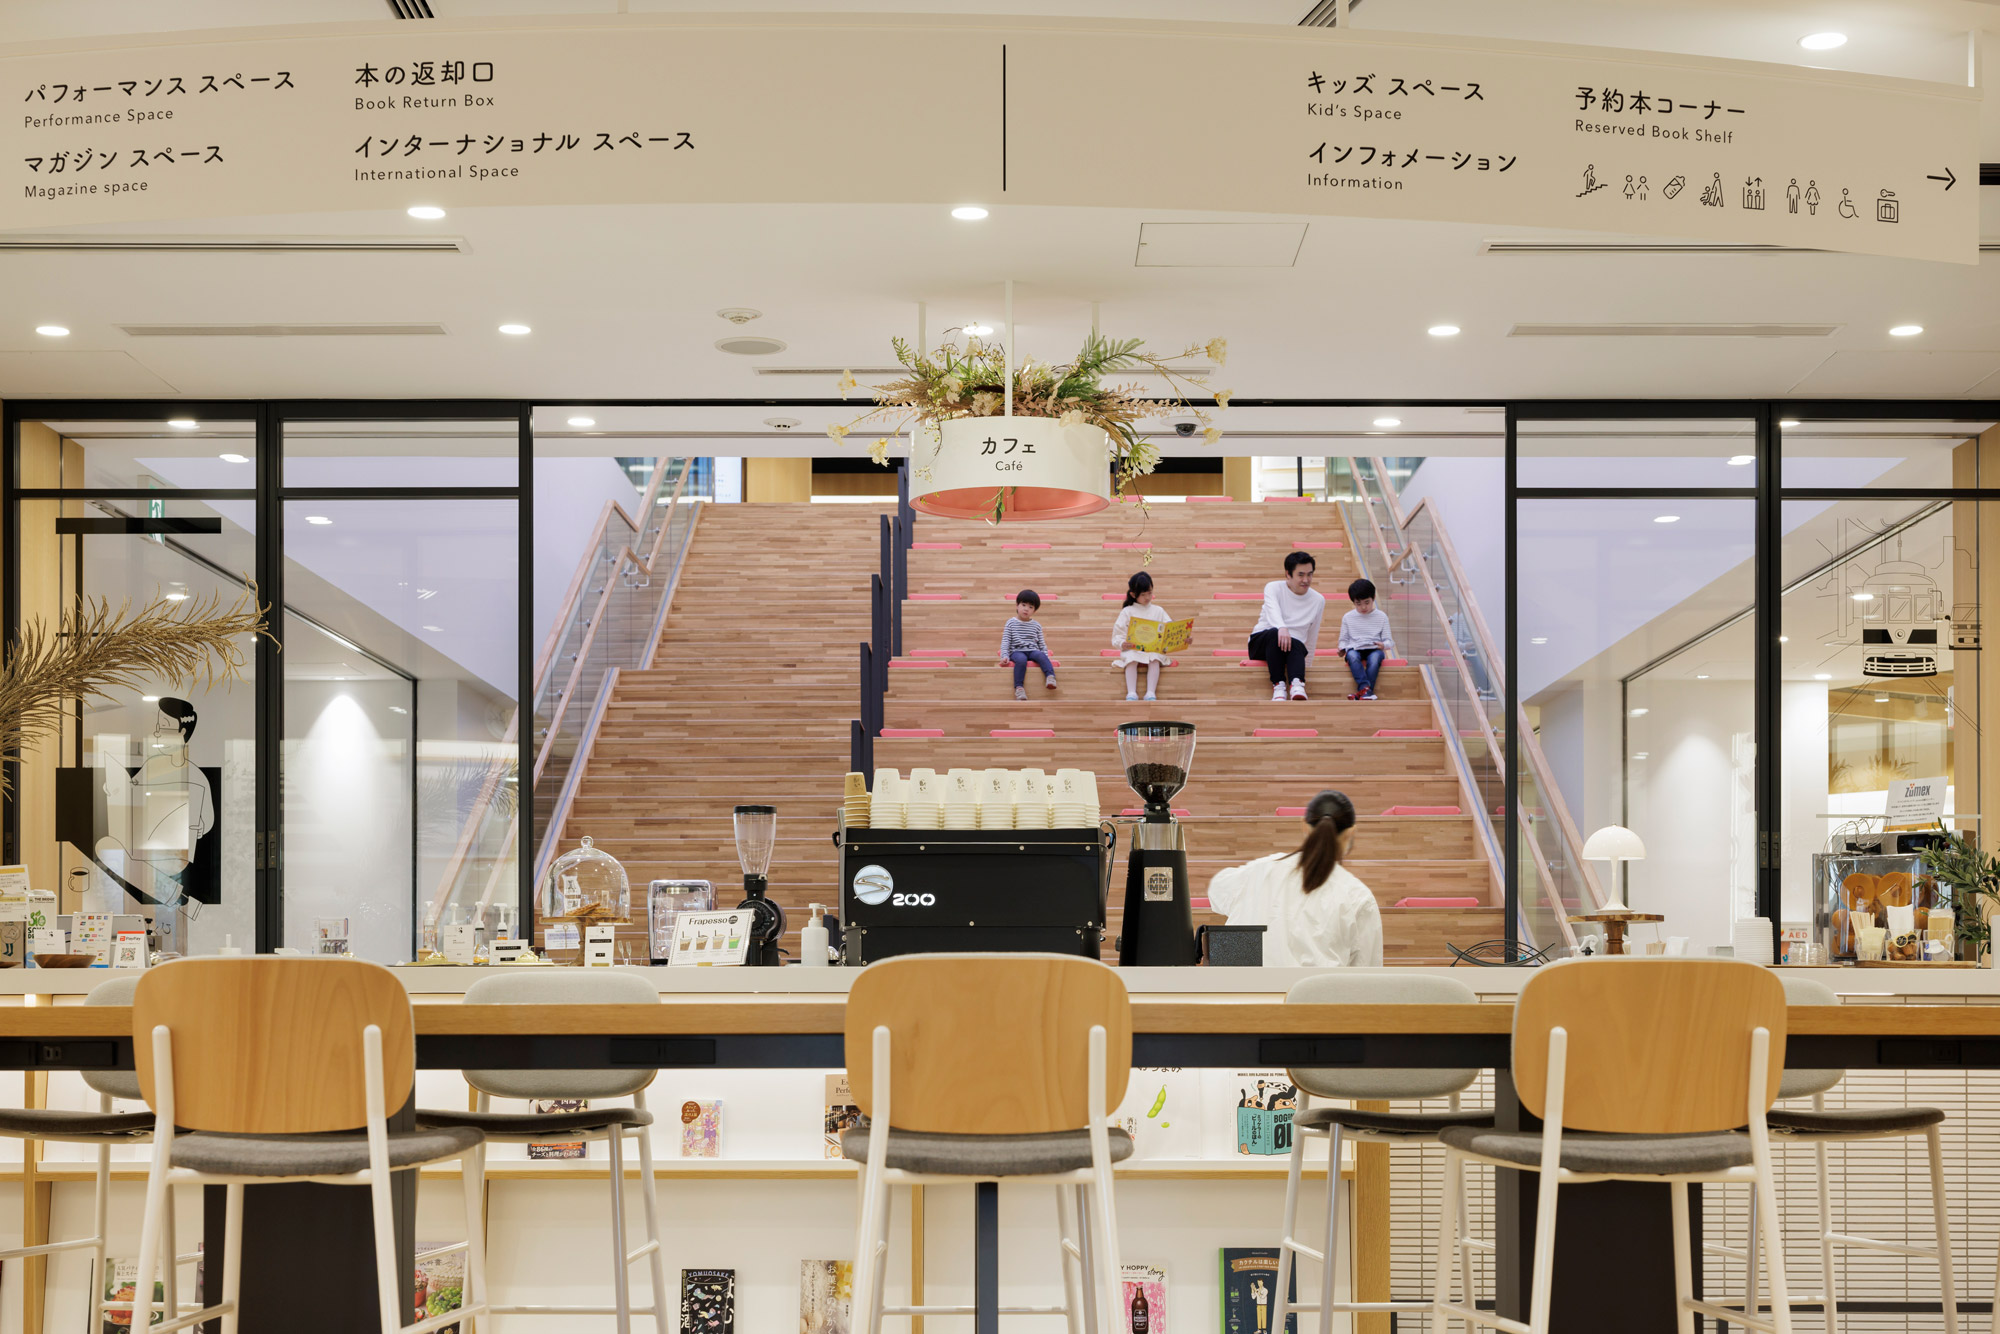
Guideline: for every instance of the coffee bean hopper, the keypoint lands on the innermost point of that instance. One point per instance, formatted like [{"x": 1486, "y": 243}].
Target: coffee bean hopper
[{"x": 1158, "y": 928}]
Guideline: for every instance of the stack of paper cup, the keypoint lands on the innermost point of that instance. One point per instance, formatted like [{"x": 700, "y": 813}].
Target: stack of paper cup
[
  {"x": 961, "y": 800},
  {"x": 1031, "y": 800},
  {"x": 855, "y": 801},
  {"x": 926, "y": 804},
  {"x": 1752, "y": 940},
  {"x": 1054, "y": 790},
  {"x": 1093, "y": 810},
  {"x": 996, "y": 799},
  {"x": 1072, "y": 807},
  {"x": 885, "y": 804}
]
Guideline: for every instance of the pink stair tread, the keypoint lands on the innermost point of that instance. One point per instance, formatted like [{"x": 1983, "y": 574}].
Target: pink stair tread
[
  {"x": 1218, "y": 546},
  {"x": 1423, "y": 810},
  {"x": 935, "y": 653},
  {"x": 1210, "y": 500},
  {"x": 1284, "y": 731},
  {"x": 1395, "y": 662},
  {"x": 1435, "y": 903},
  {"x": 1239, "y": 597},
  {"x": 1111, "y": 597},
  {"x": 1298, "y": 811},
  {"x": 918, "y": 662},
  {"x": 1023, "y": 731},
  {"x": 1288, "y": 500},
  {"x": 1024, "y": 546},
  {"x": 936, "y": 546},
  {"x": 893, "y": 732},
  {"x": 1128, "y": 546},
  {"x": 1408, "y": 731},
  {"x": 1224, "y": 652}
]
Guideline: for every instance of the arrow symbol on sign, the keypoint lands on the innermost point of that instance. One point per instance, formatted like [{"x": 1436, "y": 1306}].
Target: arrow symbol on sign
[{"x": 1948, "y": 178}]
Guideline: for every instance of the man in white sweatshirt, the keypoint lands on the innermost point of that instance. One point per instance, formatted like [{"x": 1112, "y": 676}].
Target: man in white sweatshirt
[{"x": 1288, "y": 625}]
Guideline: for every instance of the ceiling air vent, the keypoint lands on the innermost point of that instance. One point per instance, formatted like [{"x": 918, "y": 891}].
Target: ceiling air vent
[
  {"x": 1673, "y": 330},
  {"x": 281, "y": 330},
  {"x": 751, "y": 345},
  {"x": 236, "y": 245}
]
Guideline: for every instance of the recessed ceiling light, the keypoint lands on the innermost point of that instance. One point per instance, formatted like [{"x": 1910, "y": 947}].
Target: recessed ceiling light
[
  {"x": 1667, "y": 518},
  {"x": 149, "y": 699},
  {"x": 1881, "y": 699},
  {"x": 175, "y": 597},
  {"x": 1741, "y": 460},
  {"x": 51, "y": 331},
  {"x": 320, "y": 519},
  {"x": 397, "y": 708},
  {"x": 1443, "y": 331},
  {"x": 1640, "y": 713},
  {"x": 1540, "y": 640},
  {"x": 182, "y": 423},
  {"x": 750, "y": 345},
  {"x": 434, "y": 628},
  {"x": 1388, "y": 421},
  {"x": 1823, "y": 41},
  {"x": 583, "y": 421},
  {"x": 1784, "y": 639},
  {"x": 515, "y": 330},
  {"x": 1789, "y": 422},
  {"x": 1642, "y": 755},
  {"x": 968, "y": 213},
  {"x": 1822, "y": 676},
  {"x": 1906, "y": 331},
  {"x": 978, "y": 330},
  {"x": 428, "y": 212},
  {"x": 1701, "y": 676},
  {"x": 1862, "y": 597},
  {"x": 234, "y": 458}
]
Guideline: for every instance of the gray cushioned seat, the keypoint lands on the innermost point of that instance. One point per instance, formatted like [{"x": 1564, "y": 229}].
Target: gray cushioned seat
[
  {"x": 61, "y": 1123},
  {"x": 534, "y": 1126},
  {"x": 1650, "y": 1155},
  {"x": 1391, "y": 1123},
  {"x": 1855, "y": 1121},
  {"x": 313, "y": 1155},
  {"x": 986, "y": 1155}
]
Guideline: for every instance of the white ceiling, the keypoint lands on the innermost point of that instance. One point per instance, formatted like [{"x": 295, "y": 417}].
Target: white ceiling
[{"x": 622, "y": 298}]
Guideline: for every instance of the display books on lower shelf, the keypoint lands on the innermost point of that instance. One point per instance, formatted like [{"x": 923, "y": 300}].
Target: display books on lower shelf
[
  {"x": 561, "y": 1149},
  {"x": 440, "y": 1282},
  {"x": 122, "y": 1285},
  {"x": 1249, "y": 1287},
  {"x": 708, "y": 1301},
  {"x": 1145, "y": 1291},
  {"x": 826, "y": 1296},
  {"x": 841, "y": 1113},
  {"x": 701, "y": 1129}
]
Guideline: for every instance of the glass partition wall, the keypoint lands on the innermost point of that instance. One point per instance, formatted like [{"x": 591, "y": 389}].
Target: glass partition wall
[{"x": 1727, "y": 626}]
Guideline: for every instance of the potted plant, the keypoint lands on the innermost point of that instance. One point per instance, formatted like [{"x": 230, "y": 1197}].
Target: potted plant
[
  {"x": 1974, "y": 877},
  {"x": 1061, "y": 446}
]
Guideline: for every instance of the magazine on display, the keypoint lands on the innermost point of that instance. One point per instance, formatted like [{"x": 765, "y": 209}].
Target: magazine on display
[
  {"x": 701, "y": 1129},
  {"x": 1249, "y": 1288},
  {"x": 841, "y": 1113},
  {"x": 121, "y": 1285},
  {"x": 1162, "y": 1112},
  {"x": 826, "y": 1296},
  {"x": 708, "y": 1301},
  {"x": 1264, "y": 1100},
  {"x": 563, "y": 1148},
  {"x": 1145, "y": 1289},
  {"x": 440, "y": 1282}
]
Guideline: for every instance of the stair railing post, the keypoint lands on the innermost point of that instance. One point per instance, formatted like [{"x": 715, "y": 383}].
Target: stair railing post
[
  {"x": 892, "y": 595},
  {"x": 904, "y": 511},
  {"x": 901, "y": 592},
  {"x": 857, "y": 749},
  {"x": 868, "y": 700}
]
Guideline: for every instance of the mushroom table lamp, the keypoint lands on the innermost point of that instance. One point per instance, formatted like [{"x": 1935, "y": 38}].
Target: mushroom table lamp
[{"x": 1614, "y": 843}]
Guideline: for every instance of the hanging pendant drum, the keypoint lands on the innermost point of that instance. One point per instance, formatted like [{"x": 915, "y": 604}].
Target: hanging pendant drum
[{"x": 1037, "y": 467}]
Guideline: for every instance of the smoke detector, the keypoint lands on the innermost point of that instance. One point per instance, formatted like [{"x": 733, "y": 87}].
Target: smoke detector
[
  {"x": 781, "y": 423},
  {"x": 750, "y": 345},
  {"x": 740, "y": 314}
]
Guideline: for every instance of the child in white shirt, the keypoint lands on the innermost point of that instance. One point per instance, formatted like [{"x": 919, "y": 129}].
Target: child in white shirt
[
  {"x": 1138, "y": 606},
  {"x": 1365, "y": 638}
]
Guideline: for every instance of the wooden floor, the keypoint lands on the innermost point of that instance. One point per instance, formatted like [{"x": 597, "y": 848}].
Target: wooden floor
[{"x": 755, "y": 681}]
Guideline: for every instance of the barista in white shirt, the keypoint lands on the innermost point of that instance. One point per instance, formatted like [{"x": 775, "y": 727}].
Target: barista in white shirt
[
  {"x": 1287, "y": 629},
  {"x": 1316, "y": 914}
]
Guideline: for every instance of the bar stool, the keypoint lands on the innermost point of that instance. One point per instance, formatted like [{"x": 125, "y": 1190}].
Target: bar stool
[
  {"x": 574, "y": 986},
  {"x": 265, "y": 1065},
  {"x": 1671, "y": 1057},
  {"x": 102, "y": 1128},
  {"x": 1370, "y": 986},
  {"x": 1000, "y": 1066},
  {"x": 1819, "y": 1128}
]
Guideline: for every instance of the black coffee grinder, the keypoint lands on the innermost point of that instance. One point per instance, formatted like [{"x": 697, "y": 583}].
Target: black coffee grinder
[
  {"x": 756, "y": 840},
  {"x": 1159, "y": 910}
]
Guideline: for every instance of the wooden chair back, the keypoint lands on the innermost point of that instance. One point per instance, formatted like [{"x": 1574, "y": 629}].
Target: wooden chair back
[
  {"x": 273, "y": 1046},
  {"x": 988, "y": 1044},
  {"x": 1656, "y": 1046}
]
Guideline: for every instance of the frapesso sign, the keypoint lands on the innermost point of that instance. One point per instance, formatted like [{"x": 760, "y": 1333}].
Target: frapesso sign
[{"x": 877, "y": 109}]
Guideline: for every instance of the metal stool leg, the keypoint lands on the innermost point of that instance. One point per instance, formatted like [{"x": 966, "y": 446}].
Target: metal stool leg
[
  {"x": 1940, "y": 1222},
  {"x": 649, "y": 1195},
  {"x": 986, "y": 1257},
  {"x": 1332, "y": 1265},
  {"x": 100, "y": 1208},
  {"x": 1072, "y": 1257},
  {"x": 1830, "y": 1303},
  {"x": 1294, "y": 1172},
  {"x": 621, "y": 1287}
]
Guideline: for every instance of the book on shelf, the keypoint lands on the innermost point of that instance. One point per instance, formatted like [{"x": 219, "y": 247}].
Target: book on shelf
[
  {"x": 701, "y": 1128},
  {"x": 841, "y": 1113},
  {"x": 1162, "y": 1112},
  {"x": 560, "y": 1148},
  {"x": 1265, "y": 1100},
  {"x": 1249, "y": 1287},
  {"x": 121, "y": 1284},
  {"x": 708, "y": 1301},
  {"x": 826, "y": 1296},
  {"x": 1145, "y": 1293},
  {"x": 440, "y": 1282}
]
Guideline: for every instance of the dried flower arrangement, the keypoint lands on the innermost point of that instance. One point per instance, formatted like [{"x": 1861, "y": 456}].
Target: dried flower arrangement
[
  {"x": 951, "y": 383},
  {"x": 97, "y": 651}
]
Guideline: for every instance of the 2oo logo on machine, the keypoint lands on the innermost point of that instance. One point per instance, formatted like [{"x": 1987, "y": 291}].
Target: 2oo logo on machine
[{"x": 874, "y": 886}]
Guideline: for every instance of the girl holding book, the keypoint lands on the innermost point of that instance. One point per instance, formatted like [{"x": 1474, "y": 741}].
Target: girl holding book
[{"x": 1138, "y": 607}]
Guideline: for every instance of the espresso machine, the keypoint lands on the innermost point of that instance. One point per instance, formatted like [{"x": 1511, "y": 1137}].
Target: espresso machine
[
  {"x": 1159, "y": 909},
  {"x": 756, "y": 840}
]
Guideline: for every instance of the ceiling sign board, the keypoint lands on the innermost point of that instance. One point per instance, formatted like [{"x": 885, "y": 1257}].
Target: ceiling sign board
[{"x": 921, "y": 109}]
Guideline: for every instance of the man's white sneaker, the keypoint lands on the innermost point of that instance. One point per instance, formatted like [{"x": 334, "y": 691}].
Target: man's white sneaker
[
  {"x": 1278, "y": 693},
  {"x": 1298, "y": 690}
]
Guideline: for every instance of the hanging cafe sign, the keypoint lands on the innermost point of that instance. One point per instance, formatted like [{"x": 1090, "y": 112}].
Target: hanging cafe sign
[{"x": 807, "y": 108}]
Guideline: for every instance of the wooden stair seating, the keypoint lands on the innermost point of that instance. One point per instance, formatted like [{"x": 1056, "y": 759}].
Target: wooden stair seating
[{"x": 751, "y": 693}]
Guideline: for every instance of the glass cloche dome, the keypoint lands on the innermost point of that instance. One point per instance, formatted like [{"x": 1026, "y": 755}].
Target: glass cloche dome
[{"x": 587, "y": 885}]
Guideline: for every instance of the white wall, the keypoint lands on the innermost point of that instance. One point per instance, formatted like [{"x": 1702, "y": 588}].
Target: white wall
[
  {"x": 570, "y": 494},
  {"x": 1692, "y": 802},
  {"x": 1470, "y": 496}
]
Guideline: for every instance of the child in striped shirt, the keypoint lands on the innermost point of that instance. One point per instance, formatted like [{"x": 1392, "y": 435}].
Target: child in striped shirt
[{"x": 1021, "y": 641}]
